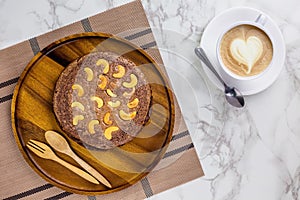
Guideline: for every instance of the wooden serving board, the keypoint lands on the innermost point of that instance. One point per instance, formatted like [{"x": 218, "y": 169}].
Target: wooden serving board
[{"x": 32, "y": 115}]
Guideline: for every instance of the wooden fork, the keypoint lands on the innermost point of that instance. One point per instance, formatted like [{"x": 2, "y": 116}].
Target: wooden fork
[{"x": 44, "y": 151}]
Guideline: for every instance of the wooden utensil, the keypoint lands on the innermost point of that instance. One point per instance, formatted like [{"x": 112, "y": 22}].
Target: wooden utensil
[
  {"x": 44, "y": 151},
  {"x": 59, "y": 143}
]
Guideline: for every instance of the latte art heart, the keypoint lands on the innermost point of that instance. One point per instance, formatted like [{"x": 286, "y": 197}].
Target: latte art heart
[{"x": 247, "y": 52}]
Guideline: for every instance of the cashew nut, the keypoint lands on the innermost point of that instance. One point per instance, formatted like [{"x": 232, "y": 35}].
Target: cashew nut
[
  {"x": 132, "y": 83},
  {"x": 78, "y": 105},
  {"x": 90, "y": 74},
  {"x": 91, "y": 125},
  {"x": 114, "y": 104},
  {"x": 108, "y": 132},
  {"x": 127, "y": 116},
  {"x": 129, "y": 94},
  {"x": 133, "y": 103},
  {"x": 103, "y": 83},
  {"x": 98, "y": 100},
  {"x": 79, "y": 89},
  {"x": 105, "y": 64},
  {"x": 106, "y": 119},
  {"x": 76, "y": 119},
  {"x": 121, "y": 72},
  {"x": 110, "y": 93}
]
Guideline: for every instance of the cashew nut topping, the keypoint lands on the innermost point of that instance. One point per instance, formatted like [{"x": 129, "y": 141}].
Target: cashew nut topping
[
  {"x": 78, "y": 105},
  {"x": 105, "y": 64},
  {"x": 91, "y": 126},
  {"x": 90, "y": 74},
  {"x": 129, "y": 94},
  {"x": 121, "y": 72},
  {"x": 132, "y": 83},
  {"x": 76, "y": 119},
  {"x": 127, "y": 116},
  {"x": 133, "y": 103},
  {"x": 106, "y": 119},
  {"x": 108, "y": 132},
  {"x": 114, "y": 104},
  {"x": 110, "y": 93},
  {"x": 103, "y": 83},
  {"x": 79, "y": 89},
  {"x": 98, "y": 100}
]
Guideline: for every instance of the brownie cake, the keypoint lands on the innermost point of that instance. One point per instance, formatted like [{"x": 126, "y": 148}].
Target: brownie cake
[{"x": 102, "y": 100}]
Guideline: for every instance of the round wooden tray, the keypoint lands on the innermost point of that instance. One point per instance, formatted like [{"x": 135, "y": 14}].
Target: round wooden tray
[{"x": 32, "y": 116}]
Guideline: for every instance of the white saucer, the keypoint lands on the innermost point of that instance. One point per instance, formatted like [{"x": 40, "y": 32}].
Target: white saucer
[{"x": 218, "y": 25}]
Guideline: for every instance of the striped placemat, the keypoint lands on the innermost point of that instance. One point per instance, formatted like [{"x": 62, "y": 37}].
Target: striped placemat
[{"x": 180, "y": 163}]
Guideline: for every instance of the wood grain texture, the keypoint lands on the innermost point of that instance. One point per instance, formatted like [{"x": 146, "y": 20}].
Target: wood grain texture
[{"x": 32, "y": 115}]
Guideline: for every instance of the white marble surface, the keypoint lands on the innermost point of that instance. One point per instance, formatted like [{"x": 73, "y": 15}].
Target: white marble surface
[{"x": 247, "y": 154}]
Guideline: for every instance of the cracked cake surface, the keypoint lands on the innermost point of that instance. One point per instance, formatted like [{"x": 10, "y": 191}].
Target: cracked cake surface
[{"x": 102, "y": 100}]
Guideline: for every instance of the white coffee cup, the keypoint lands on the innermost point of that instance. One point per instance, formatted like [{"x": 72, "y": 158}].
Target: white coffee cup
[{"x": 260, "y": 22}]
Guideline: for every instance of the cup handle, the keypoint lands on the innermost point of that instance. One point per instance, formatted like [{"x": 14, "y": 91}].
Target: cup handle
[{"x": 261, "y": 19}]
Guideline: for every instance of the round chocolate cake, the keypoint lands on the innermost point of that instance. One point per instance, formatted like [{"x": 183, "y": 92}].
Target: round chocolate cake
[{"x": 102, "y": 100}]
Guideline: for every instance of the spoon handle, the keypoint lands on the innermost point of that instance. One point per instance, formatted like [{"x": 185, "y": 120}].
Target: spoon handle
[
  {"x": 76, "y": 170},
  {"x": 90, "y": 169},
  {"x": 203, "y": 57}
]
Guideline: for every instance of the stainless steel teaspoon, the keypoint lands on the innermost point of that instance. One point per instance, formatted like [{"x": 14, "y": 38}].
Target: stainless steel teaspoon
[{"x": 232, "y": 95}]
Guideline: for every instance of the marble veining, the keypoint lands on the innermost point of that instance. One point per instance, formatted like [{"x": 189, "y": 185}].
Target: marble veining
[{"x": 250, "y": 153}]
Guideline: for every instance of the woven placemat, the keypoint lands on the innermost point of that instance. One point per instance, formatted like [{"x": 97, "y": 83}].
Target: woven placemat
[{"x": 180, "y": 163}]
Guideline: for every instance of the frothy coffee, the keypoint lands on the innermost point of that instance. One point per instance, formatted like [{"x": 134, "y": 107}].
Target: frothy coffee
[{"x": 246, "y": 50}]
